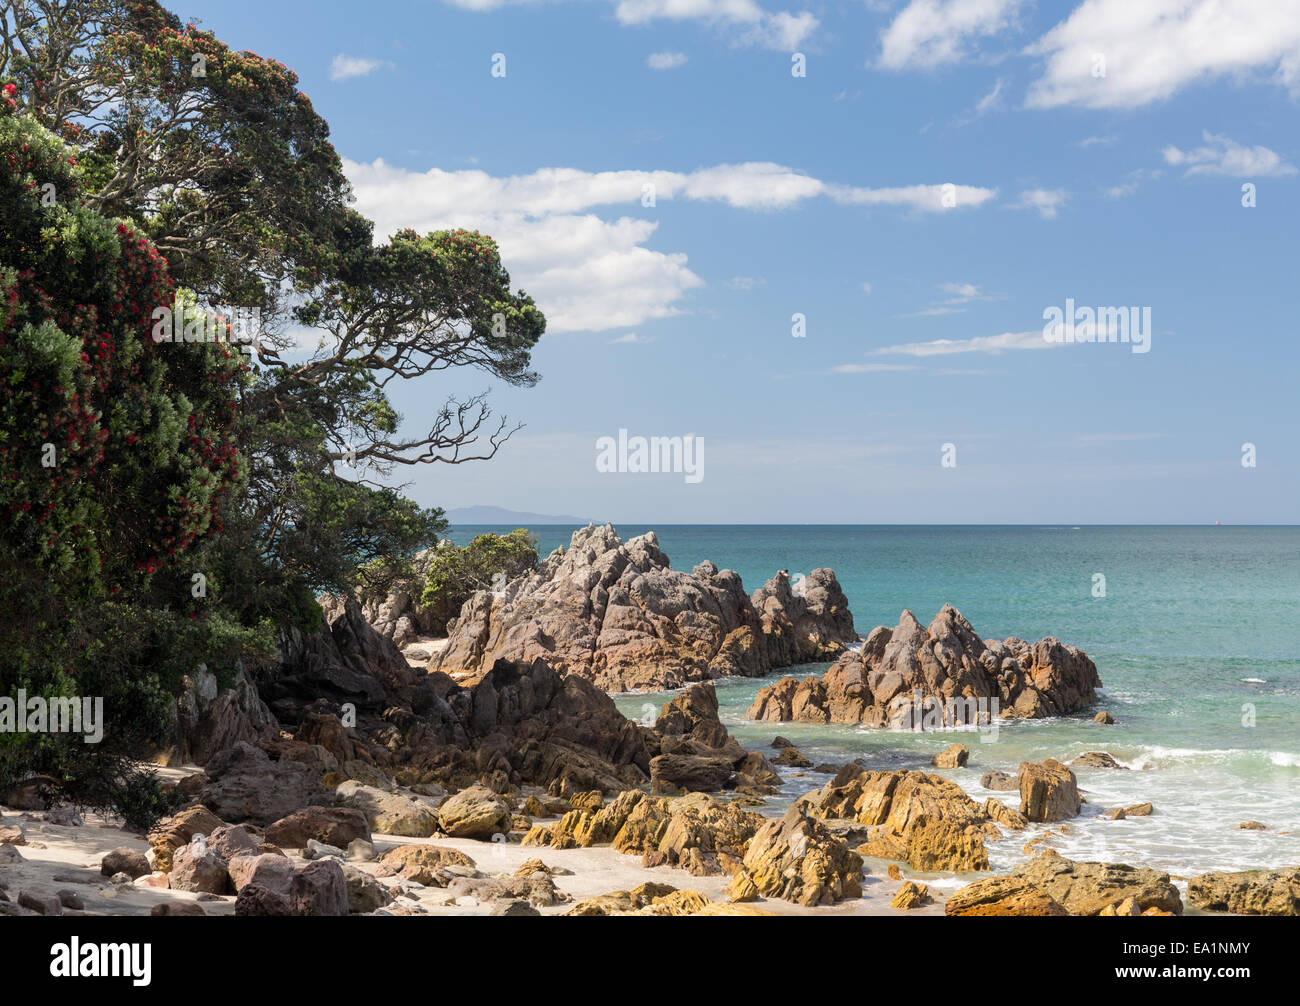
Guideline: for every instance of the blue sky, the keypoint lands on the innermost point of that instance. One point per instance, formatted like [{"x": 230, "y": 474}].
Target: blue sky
[{"x": 822, "y": 195}]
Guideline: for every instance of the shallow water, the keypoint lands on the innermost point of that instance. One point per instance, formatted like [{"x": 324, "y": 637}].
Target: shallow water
[{"x": 1197, "y": 632}]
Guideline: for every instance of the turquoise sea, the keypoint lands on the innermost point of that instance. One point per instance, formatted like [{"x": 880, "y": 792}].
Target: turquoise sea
[{"x": 1197, "y": 641}]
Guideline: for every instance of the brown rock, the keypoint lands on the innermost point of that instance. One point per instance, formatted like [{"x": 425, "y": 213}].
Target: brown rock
[
  {"x": 126, "y": 860},
  {"x": 476, "y": 812},
  {"x": 420, "y": 863},
  {"x": 953, "y": 756},
  {"x": 172, "y": 832},
  {"x": 911, "y": 895},
  {"x": 1096, "y": 759},
  {"x": 1252, "y": 826},
  {"x": 1048, "y": 791},
  {"x": 1103, "y": 717},
  {"x": 1253, "y": 892},
  {"x": 319, "y": 888},
  {"x": 198, "y": 868},
  {"x": 947, "y": 662},
  {"x": 269, "y": 870},
  {"x": 796, "y": 858},
  {"x": 1078, "y": 888},
  {"x": 338, "y": 826},
  {"x": 616, "y": 614},
  {"x": 174, "y": 908}
]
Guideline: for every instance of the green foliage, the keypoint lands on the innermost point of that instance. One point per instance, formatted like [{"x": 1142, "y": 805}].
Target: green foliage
[{"x": 487, "y": 562}]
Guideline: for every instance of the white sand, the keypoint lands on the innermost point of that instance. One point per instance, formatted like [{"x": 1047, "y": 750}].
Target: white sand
[{"x": 71, "y": 859}]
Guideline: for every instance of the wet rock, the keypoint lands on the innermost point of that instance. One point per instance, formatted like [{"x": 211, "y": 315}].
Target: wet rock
[
  {"x": 1048, "y": 791},
  {"x": 953, "y": 756}
]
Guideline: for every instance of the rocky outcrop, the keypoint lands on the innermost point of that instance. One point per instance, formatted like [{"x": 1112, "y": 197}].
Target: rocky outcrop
[
  {"x": 244, "y": 784},
  {"x": 805, "y": 620},
  {"x": 1253, "y": 892},
  {"x": 476, "y": 812},
  {"x": 1048, "y": 791},
  {"x": 1051, "y": 885},
  {"x": 698, "y": 755},
  {"x": 209, "y": 718},
  {"x": 916, "y": 676},
  {"x": 796, "y": 858},
  {"x": 616, "y": 613},
  {"x": 922, "y": 819}
]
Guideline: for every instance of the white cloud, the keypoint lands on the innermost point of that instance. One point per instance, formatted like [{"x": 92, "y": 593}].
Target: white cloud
[
  {"x": 930, "y": 33},
  {"x": 1222, "y": 156},
  {"x": 780, "y": 30},
  {"x": 589, "y": 273},
  {"x": 991, "y": 100},
  {"x": 959, "y": 295},
  {"x": 745, "y": 282},
  {"x": 1047, "y": 202},
  {"x": 631, "y": 339},
  {"x": 930, "y": 198},
  {"x": 871, "y": 368},
  {"x": 1153, "y": 48},
  {"x": 979, "y": 344},
  {"x": 665, "y": 60},
  {"x": 866, "y": 288},
  {"x": 347, "y": 67},
  {"x": 1093, "y": 141}
]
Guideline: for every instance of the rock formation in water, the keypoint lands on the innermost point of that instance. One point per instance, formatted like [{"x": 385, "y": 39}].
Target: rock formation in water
[
  {"x": 947, "y": 667},
  {"x": 616, "y": 613}
]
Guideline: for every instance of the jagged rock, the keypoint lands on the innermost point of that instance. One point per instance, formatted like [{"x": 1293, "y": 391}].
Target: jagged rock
[
  {"x": 617, "y": 614},
  {"x": 1253, "y": 892},
  {"x": 319, "y": 888},
  {"x": 331, "y": 825},
  {"x": 696, "y": 833},
  {"x": 922, "y": 819},
  {"x": 796, "y": 858},
  {"x": 389, "y": 813},
  {"x": 1075, "y": 888},
  {"x": 198, "y": 868},
  {"x": 173, "y": 832},
  {"x": 476, "y": 812},
  {"x": 365, "y": 893},
  {"x": 953, "y": 756},
  {"x": 803, "y": 622},
  {"x": 1048, "y": 791},
  {"x": 268, "y": 870},
  {"x": 1104, "y": 717},
  {"x": 675, "y": 773},
  {"x": 911, "y": 895},
  {"x": 421, "y": 863},
  {"x": 244, "y": 784},
  {"x": 947, "y": 664},
  {"x": 208, "y": 719},
  {"x": 1000, "y": 813},
  {"x": 230, "y": 840}
]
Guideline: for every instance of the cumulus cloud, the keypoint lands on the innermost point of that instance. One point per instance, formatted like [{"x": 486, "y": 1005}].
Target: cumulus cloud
[
  {"x": 1222, "y": 156},
  {"x": 347, "y": 67},
  {"x": 589, "y": 272},
  {"x": 930, "y": 33},
  {"x": 1154, "y": 48}
]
